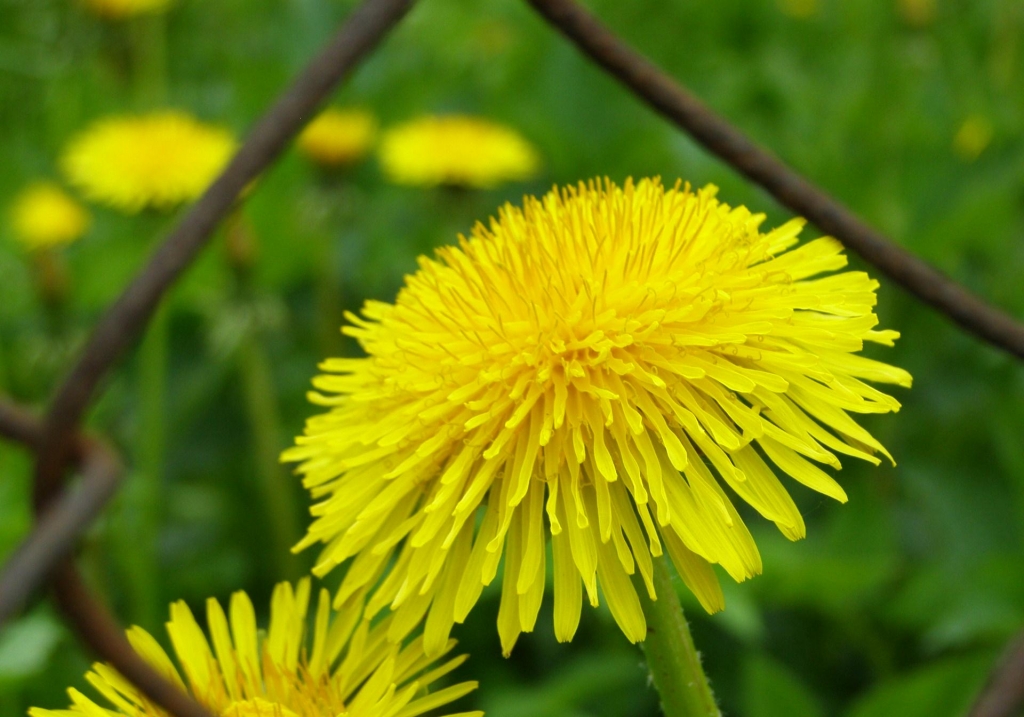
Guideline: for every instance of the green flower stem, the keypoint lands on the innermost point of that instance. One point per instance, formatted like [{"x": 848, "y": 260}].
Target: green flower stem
[
  {"x": 331, "y": 200},
  {"x": 143, "y": 497},
  {"x": 138, "y": 526},
  {"x": 4, "y": 378},
  {"x": 672, "y": 659},
  {"x": 265, "y": 424},
  {"x": 52, "y": 282},
  {"x": 148, "y": 38},
  {"x": 260, "y": 398},
  {"x": 327, "y": 285}
]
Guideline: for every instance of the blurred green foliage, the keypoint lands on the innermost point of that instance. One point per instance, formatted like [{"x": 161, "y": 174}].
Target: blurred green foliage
[{"x": 911, "y": 111}]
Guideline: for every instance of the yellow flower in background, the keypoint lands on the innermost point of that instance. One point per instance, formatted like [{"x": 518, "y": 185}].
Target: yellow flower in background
[
  {"x": 919, "y": 13},
  {"x": 800, "y": 9},
  {"x": 596, "y": 366},
  {"x": 152, "y": 161},
  {"x": 458, "y": 151},
  {"x": 43, "y": 215},
  {"x": 337, "y": 137},
  {"x": 118, "y": 9},
  {"x": 241, "y": 671},
  {"x": 973, "y": 137}
]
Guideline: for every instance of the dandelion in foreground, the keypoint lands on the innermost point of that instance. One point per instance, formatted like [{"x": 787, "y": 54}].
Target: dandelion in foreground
[
  {"x": 456, "y": 151},
  {"x": 153, "y": 161},
  {"x": 600, "y": 365},
  {"x": 349, "y": 669},
  {"x": 337, "y": 138},
  {"x": 43, "y": 216},
  {"x": 120, "y": 9}
]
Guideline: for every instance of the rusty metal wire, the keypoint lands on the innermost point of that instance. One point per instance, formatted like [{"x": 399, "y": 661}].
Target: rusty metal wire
[
  {"x": 717, "y": 135},
  {"x": 63, "y": 514},
  {"x": 1003, "y": 694},
  {"x": 64, "y": 519},
  {"x": 44, "y": 554},
  {"x": 124, "y": 322}
]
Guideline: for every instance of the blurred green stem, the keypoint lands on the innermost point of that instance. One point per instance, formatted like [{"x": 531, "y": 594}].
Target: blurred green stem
[
  {"x": 143, "y": 496},
  {"x": 260, "y": 396},
  {"x": 328, "y": 297},
  {"x": 332, "y": 202},
  {"x": 672, "y": 659},
  {"x": 148, "y": 38},
  {"x": 265, "y": 424},
  {"x": 4, "y": 378},
  {"x": 53, "y": 283}
]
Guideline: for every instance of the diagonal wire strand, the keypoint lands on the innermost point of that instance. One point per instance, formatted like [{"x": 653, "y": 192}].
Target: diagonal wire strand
[
  {"x": 1003, "y": 693},
  {"x": 123, "y": 322},
  {"x": 55, "y": 442},
  {"x": 648, "y": 82},
  {"x": 43, "y": 554},
  {"x": 65, "y": 518}
]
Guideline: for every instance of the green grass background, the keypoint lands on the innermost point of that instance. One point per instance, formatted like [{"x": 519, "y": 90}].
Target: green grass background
[{"x": 896, "y": 603}]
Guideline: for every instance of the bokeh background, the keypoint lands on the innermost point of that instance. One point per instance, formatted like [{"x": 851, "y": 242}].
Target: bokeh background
[{"x": 910, "y": 111}]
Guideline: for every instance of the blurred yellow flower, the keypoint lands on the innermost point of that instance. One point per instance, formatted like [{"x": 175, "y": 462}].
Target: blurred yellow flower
[
  {"x": 157, "y": 161},
  {"x": 973, "y": 137},
  {"x": 605, "y": 357},
  {"x": 247, "y": 672},
  {"x": 336, "y": 137},
  {"x": 800, "y": 8},
  {"x": 457, "y": 151},
  {"x": 918, "y": 13},
  {"x": 118, "y": 9},
  {"x": 43, "y": 215}
]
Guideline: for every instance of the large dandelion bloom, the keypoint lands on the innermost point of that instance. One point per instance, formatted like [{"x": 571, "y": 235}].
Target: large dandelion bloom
[
  {"x": 456, "y": 151},
  {"x": 336, "y": 138},
  {"x": 119, "y": 9},
  {"x": 349, "y": 669},
  {"x": 158, "y": 160},
  {"x": 43, "y": 215},
  {"x": 600, "y": 365}
]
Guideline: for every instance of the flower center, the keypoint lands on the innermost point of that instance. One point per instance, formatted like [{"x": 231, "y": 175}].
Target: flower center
[{"x": 257, "y": 708}]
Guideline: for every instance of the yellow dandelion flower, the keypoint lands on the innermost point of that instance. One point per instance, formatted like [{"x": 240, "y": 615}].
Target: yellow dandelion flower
[
  {"x": 43, "y": 215},
  {"x": 240, "y": 671},
  {"x": 119, "y": 9},
  {"x": 599, "y": 365},
  {"x": 157, "y": 161},
  {"x": 458, "y": 151},
  {"x": 336, "y": 137}
]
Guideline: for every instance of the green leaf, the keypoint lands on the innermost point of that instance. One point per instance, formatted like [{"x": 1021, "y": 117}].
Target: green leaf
[
  {"x": 770, "y": 689},
  {"x": 26, "y": 646},
  {"x": 601, "y": 679},
  {"x": 943, "y": 689}
]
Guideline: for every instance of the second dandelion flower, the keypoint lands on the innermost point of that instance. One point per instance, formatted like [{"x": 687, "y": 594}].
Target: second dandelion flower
[
  {"x": 155, "y": 161},
  {"x": 236, "y": 669},
  {"x": 338, "y": 138},
  {"x": 458, "y": 151}
]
